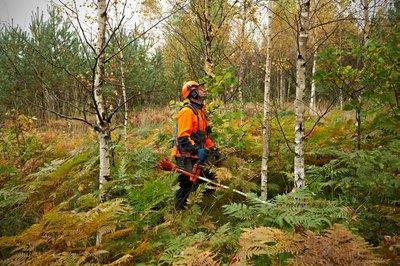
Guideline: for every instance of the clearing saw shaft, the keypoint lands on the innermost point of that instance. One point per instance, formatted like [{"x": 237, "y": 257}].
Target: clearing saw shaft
[{"x": 169, "y": 166}]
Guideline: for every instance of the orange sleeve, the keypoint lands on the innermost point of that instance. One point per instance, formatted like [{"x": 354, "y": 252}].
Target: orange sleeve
[
  {"x": 185, "y": 124},
  {"x": 209, "y": 143}
]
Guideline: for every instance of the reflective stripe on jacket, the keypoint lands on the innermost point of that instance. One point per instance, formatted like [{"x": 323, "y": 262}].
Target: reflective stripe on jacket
[{"x": 192, "y": 134}]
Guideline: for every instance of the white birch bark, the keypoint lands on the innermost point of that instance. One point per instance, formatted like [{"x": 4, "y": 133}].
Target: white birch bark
[
  {"x": 341, "y": 99},
  {"x": 366, "y": 30},
  {"x": 366, "y": 26},
  {"x": 282, "y": 88},
  {"x": 122, "y": 69},
  {"x": 208, "y": 37},
  {"x": 342, "y": 8},
  {"x": 102, "y": 123},
  {"x": 122, "y": 63},
  {"x": 267, "y": 88},
  {"x": 299, "y": 176},
  {"x": 103, "y": 126},
  {"x": 313, "y": 95},
  {"x": 241, "y": 60}
]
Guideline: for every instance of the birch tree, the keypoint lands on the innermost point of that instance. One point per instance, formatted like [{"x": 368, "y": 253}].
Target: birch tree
[
  {"x": 208, "y": 32},
  {"x": 242, "y": 57},
  {"x": 301, "y": 24},
  {"x": 365, "y": 32},
  {"x": 103, "y": 123},
  {"x": 313, "y": 93},
  {"x": 212, "y": 18},
  {"x": 299, "y": 176},
  {"x": 119, "y": 39},
  {"x": 200, "y": 35},
  {"x": 266, "y": 120}
]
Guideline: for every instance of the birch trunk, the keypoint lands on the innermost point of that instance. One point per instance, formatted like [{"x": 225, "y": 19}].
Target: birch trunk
[
  {"x": 267, "y": 89},
  {"x": 122, "y": 69},
  {"x": 342, "y": 8},
  {"x": 103, "y": 128},
  {"x": 299, "y": 176},
  {"x": 313, "y": 95},
  {"x": 281, "y": 88},
  {"x": 282, "y": 97},
  {"x": 208, "y": 38},
  {"x": 241, "y": 60},
  {"x": 366, "y": 30},
  {"x": 122, "y": 63},
  {"x": 341, "y": 99}
]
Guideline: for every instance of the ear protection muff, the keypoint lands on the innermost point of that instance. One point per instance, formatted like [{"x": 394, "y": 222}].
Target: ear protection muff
[{"x": 193, "y": 92}]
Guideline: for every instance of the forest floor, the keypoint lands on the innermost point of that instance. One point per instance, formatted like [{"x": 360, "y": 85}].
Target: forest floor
[{"x": 51, "y": 214}]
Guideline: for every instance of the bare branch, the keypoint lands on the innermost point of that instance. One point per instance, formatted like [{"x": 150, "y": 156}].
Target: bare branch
[
  {"x": 321, "y": 116},
  {"x": 75, "y": 12},
  {"x": 146, "y": 31},
  {"x": 282, "y": 131},
  {"x": 84, "y": 120},
  {"x": 128, "y": 100}
]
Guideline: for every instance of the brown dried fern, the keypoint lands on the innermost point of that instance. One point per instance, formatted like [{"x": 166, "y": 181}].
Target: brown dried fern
[
  {"x": 19, "y": 258},
  {"x": 339, "y": 246},
  {"x": 124, "y": 260},
  {"x": 63, "y": 232},
  {"x": 194, "y": 256},
  {"x": 266, "y": 240}
]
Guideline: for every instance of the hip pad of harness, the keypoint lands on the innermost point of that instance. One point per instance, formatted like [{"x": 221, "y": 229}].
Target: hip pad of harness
[{"x": 199, "y": 137}]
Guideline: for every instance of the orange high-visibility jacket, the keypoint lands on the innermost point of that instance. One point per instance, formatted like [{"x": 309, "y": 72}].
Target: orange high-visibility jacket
[{"x": 191, "y": 131}]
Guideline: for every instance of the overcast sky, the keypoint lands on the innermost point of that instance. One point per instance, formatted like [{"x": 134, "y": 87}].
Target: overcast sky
[{"x": 21, "y": 11}]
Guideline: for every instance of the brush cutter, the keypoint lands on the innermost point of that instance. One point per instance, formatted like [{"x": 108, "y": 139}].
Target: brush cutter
[{"x": 167, "y": 165}]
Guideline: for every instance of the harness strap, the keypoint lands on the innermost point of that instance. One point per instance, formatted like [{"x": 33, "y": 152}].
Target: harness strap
[
  {"x": 196, "y": 112},
  {"x": 194, "y": 109}
]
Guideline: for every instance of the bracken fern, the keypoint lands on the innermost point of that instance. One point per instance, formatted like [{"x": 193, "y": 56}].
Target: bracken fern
[
  {"x": 337, "y": 246},
  {"x": 300, "y": 208}
]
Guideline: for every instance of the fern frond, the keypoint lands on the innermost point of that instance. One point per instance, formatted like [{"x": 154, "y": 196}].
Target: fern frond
[
  {"x": 44, "y": 258},
  {"x": 194, "y": 256},
  {"x": 118, "y": 233},
  {"x": 63, "y": 231},
  {"x": 222, "y": 236},
  {"x": 85, "y": 256},
  {"x": 299, "y": 208},
  {"x": 267, "y": 240},
  {"x": 124, "y": 260},
  {"x": 339, "y": 246},
  {"x": 238, "y": 210},
  {"x": 107, "y": 229},
  {"x": 19, "y": 258},
  {"x": 179, "y": 243}
]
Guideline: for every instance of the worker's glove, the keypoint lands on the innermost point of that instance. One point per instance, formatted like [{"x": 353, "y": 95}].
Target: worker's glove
[
  {"x": 215, "y": 152},
  {"x": 202, "y": 154}
]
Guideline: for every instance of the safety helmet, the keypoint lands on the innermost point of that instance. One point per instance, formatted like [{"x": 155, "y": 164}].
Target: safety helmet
[{"x": 188, "y": 88}]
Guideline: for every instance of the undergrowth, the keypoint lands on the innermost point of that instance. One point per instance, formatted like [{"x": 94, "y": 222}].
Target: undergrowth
[{"x": 50, "y": 211}]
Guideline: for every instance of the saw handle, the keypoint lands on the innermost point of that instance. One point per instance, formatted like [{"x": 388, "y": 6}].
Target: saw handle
[{"x": 196, "y": 172}]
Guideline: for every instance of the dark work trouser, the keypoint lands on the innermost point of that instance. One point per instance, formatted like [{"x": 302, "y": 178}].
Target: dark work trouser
[{"x": 185, "y": 186}]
